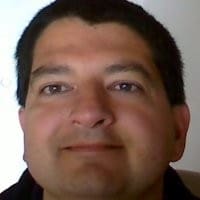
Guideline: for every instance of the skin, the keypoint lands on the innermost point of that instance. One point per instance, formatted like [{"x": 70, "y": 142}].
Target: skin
[{"x": 97, "y": 122}]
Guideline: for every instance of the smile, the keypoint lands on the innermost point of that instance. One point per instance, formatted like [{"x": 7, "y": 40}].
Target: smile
[{"x": 96, "y": 147}]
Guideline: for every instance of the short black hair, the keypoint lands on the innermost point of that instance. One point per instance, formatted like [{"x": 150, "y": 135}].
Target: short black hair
[{"x": 166, "y": 54}]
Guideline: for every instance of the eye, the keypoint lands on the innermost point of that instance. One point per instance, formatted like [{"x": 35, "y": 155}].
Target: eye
[
  {"x": 126, "y": 87},
  {"x": 55, "y": 89}
]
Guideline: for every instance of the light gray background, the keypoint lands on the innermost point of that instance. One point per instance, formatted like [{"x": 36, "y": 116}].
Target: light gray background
[{"x": 181, "y": 17}]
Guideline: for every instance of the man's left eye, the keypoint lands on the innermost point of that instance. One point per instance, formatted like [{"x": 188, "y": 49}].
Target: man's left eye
[{"x": 126, "y": 87}]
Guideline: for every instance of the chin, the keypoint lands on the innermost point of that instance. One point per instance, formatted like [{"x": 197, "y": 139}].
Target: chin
[{"x": 93, "y": 181}]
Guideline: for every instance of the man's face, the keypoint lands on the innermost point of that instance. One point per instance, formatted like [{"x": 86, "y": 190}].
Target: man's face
[{"x": 97, "y": 122}]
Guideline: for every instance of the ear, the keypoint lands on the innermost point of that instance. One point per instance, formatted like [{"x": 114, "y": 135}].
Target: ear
[
  {"x": 21, "y": 115},
  {"x": 181, "y": 115}
]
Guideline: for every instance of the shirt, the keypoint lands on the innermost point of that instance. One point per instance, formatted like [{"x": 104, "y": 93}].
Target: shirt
[{"x": 28, "y": 189}]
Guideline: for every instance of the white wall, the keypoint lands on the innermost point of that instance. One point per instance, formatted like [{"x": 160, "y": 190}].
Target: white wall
[
  {"x": 14, "y": 16},
  {"x": 182, "y": 17}
]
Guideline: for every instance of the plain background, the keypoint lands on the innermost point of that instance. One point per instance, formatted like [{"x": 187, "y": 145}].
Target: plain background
[{"x": 181, "y": 17}]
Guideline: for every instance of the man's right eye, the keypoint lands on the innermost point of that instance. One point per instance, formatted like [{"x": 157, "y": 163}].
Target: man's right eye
[{"x": 56, "y": 89}]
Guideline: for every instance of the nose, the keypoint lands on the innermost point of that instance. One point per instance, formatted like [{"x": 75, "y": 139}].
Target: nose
[{"x": 92, "y": 111}]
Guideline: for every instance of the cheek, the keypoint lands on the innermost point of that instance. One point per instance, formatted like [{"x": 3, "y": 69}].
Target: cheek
[
  {"x": 147, "y": 132},
  {"x": 46, "y": 118},
  {"x": 42, "y": 124}
]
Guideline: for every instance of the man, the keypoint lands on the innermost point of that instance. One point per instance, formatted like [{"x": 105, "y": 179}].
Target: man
[{"x": 102, "y": 104}]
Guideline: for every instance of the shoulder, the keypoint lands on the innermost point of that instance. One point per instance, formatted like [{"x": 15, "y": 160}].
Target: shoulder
[
  {"x": 174, "y": 188},
  {"x": 23, "y": 189}
]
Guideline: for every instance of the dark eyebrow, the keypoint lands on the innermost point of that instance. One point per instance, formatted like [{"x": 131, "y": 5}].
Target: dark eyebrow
[
  {"x": 49, "y": 70},
  {"x": 131, "y": 67},
  {"x": 112, "y": 69}
]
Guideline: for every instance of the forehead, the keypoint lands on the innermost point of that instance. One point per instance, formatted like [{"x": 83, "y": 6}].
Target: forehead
[
  {"x": 73, "y": 36},
  {"x": 79, "y": 27},
  {"x": 73, "y": 30}
]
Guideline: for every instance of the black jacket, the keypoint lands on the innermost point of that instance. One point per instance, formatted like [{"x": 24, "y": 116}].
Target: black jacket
[{"x": 27, "y": 189}]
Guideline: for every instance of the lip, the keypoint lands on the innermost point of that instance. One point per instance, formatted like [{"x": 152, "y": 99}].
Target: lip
[{"x": 96, "y": 147}]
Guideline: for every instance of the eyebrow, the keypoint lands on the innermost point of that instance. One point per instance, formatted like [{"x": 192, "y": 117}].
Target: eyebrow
[
  {"x": 50, "y": 70},
  {"x": 110, "y": 70},
  {"x": 131, "y": 67}
]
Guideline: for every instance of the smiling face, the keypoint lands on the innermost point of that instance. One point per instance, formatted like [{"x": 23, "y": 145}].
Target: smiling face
[{"x": 97, "y": 122}]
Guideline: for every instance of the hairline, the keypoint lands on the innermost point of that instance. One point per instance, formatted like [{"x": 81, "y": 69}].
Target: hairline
[{"x": 152, "y": 25}]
